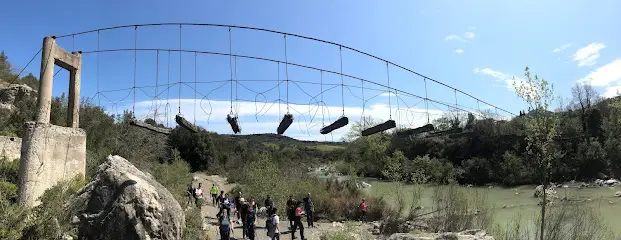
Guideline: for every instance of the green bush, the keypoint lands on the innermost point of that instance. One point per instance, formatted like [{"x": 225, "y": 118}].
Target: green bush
[
  {"x": 339, "y": 235},
  {"x": 9, "y": 170},
  {"x": 8, "y": 190},
  {"x": 455, "y": 210},
  {"x": 52, "y": 218},
  {"x": 193, "y": 226},
  {"x": 13, "y": 219}
]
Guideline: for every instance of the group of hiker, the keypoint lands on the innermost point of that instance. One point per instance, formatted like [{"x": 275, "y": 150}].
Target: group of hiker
[{"x": 246, "y": 213}]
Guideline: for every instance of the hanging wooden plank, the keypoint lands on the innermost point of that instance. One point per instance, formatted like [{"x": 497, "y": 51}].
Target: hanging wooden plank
[
  {"x": 150, "y": 127},
  {"x": 185, "y": 124},
  {"x": 379, "y": 128},
  {"x": 341, "y": 122}
]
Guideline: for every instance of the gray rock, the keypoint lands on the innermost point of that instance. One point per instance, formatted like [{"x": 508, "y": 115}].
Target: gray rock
[
  {"x": 15, "y": 92},
  {"x": 124, "y": 203}
]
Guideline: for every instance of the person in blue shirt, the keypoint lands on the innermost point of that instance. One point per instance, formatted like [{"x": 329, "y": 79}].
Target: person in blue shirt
[{"x": 225, "y": 225}]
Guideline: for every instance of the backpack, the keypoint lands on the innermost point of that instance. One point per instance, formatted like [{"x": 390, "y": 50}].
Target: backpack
[{"x": 269, "y": 223}]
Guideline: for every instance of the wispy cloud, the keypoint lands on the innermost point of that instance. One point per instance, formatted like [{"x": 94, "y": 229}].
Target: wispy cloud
[
  {"x": 605, "y": 75},
  {"x": 454, "y": 37},
  {"x": 562, "y": 47},
  {"x": 470, "y": 35},
  {"x": 509, "y": 80},
  {"x": 265, "y": 117},
  {"x": 459, "y": 51},
  {"x": 587, "y": 56}
]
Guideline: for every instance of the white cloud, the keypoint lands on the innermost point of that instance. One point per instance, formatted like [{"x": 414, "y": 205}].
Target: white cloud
[
  {"x": 605, "y": 75},
  {"x": 459, "y": 51},
  {"x": 562, "y": 47},
  {"x": 587, "y": 56},
  {"x": 454, "y": 37},
  {"x": 507, "y": 79},
  {"x": 470, "y": 35},
  {"x": 612, "y": 91},
  {"x": 265, "y": 117}
]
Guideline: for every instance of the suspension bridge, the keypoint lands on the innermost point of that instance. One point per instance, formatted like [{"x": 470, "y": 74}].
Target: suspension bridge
[{"x": 162, "y": 72}]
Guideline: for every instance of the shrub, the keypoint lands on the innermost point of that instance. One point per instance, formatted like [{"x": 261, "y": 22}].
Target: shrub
[
  {"x": 193, "y": 226},
  {"x": 52, "y": 218},
  {"x": 13, "y": 219},
  {"x": 9, "y": 170},
  {"x": 339, "y": 235},
  {"x": 455, "y": 210},
  {"x": 8, "y": 190}
]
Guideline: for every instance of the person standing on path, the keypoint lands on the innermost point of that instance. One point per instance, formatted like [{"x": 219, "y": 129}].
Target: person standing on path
[
  {"x": 272, "y": 225},
  {"x": 309, "y": 208},
  {"x": 225, "y": 225},
  {"x": 238, "y": 206},
  {"x": 191, "y": 192},
  {"x": 297, "y": 221},
  {"x": 214, "y": 194},
  {"x": 363, "y": 210},
  {"x": 244, "y": 214},
  {"x": 291, "y": 203},
  {"x": 251, "y": 220},
  {"x": 269, "y": 204},
  {"x": 199, "y": 194}
]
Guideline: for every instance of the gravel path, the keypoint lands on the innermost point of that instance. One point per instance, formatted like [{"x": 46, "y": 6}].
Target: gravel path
[{"x": 209, "y": 212}]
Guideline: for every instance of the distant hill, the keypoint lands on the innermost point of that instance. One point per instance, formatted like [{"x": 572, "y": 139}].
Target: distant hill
[{"x": 271, "y": 139}]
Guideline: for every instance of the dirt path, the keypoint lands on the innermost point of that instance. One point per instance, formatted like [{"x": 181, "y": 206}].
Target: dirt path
[{"x": 209, "y": 212}]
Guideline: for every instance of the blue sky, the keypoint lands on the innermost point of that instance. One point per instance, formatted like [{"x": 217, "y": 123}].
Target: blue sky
[{"x": 475, "y": 46}]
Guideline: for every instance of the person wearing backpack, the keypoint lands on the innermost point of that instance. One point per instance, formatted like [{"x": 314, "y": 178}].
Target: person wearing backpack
[
  {"x": 291, "y": 210},
  {"x": 191, "y": 194},
  {"x": 198, "y": 192},
  {"x": 297, "y": 221},
  {"x": 272, "y": 225},
  {"x": 251, "y": 220},
  {"x": 225, "y": 225}
]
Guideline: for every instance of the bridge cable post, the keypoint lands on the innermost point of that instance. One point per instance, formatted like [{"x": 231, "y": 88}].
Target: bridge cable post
[
  {"x": 157, "y": 73},
  {"x": 456, "y": 108},
  {"x": 342, "y": 85},
  {"x": 180, "y": 53},
  {"x": 279, "y": 97},
  {"x": 167, "y": 110},
  {"x": 389, "y": 92},
  {"x": 323, "y": 117},
  {"x": 135, "y": 59},
  {"x": 98, "y": 53},
  {"x": 231, "y": 68},
  {"x": 426, "y": 100},
  {"x": 286, "y": 72},
  {"x": 195, "y": 87}
]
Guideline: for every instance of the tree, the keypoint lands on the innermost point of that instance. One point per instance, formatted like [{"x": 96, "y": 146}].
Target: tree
[
  {"x": 6, "y": 68},
  {"x": 584, "y": 96},
  {"x": 540, "y": 128}
]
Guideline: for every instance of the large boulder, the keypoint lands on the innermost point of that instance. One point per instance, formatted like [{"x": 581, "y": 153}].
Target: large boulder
[{"x": 124, "y": 203}]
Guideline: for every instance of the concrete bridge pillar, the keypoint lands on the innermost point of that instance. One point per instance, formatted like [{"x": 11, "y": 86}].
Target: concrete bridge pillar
[{"x": 50, "y": 154}]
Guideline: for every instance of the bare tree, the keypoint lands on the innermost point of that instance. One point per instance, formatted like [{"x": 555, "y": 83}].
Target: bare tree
[{"x": 584, "y": 97}]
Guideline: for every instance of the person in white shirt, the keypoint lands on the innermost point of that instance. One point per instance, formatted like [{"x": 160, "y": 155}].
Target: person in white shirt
[{"x": 273, "y": 229}]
